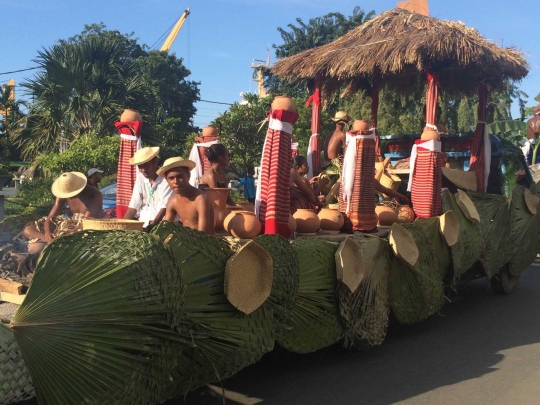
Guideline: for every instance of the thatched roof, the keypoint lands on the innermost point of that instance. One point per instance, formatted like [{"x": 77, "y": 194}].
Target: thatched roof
[{"x": 394, "y": 49}]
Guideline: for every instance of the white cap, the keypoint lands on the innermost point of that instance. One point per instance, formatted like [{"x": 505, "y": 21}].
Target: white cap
[{"x": 93, "y": 170}]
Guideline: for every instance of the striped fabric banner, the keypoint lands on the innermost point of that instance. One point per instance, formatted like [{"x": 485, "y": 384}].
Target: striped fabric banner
[{"x": 426, "y": 185}]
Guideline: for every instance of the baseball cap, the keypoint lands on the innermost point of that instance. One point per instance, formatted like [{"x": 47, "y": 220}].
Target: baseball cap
[{"x": 93, "y": 170}]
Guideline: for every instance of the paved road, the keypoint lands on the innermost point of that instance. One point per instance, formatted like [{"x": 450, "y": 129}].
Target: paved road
[{"x": 482, "y": 349}]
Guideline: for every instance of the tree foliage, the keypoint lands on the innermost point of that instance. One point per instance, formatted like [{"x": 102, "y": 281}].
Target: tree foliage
[{"x": 11, "y": 113}]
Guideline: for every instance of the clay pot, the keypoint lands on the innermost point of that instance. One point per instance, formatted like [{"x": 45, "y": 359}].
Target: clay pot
[
  {"x": 306, "y": 221},
  {"x": 360, "y": 125},
  {"x": 283, "y": 103},
  {"x": 36, "y": 247},
  {"x": 130, "y": 116},
  {"x": 249, "y": 207},
  {"x": 406, "y": 214},
  {"x": 331, "y": 220},
  {"x": 292, "y": 223},
  {"x": 387, "y": 216},
  {"x": 209, "y": 130},
  {"x": 218, "y": 197},
  {"x": 242, "y": 224},
  {"x": 430, "y": 135}
]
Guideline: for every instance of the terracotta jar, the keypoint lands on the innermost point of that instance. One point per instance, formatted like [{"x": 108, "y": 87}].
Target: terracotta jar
[
  {"x": 387, "y": 216},
  {"x": 218, "y": 197},
  {"x": 242, "y": 224},
  {"x": 130, "y": 116},
  {"x": 430, "y": 135},
  {"x": 306, "y": 221},
  {"x": 292, "y": 223},
  {"x": 406, "y": 214},
  {"x": 283, "y": 103},
  {"x": 209, "y": 130},
  {"x": 360, "y": 125},
  {"x": 331, "y": 220}
]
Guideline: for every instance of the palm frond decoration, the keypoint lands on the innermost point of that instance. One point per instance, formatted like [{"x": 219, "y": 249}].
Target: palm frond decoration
[
  {"x": 221, "y": 340},
  {"x": 15, "y": 380},
  {"x": 525, "y": 234},
  {"x": 315, "y": 319},
  {"x": 416, "y": 292},
  {"x": 365, "y": 312},
  {"x": 469, "y": 246},
  {"x": 285, "y": 280},
  {"x": 494, "y": 222},
  {"x": 94, "y": 327},
  {"x": 443, "y": 259}
]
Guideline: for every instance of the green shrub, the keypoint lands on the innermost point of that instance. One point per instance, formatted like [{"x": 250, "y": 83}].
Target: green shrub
[{"x": 36, "y": 193}]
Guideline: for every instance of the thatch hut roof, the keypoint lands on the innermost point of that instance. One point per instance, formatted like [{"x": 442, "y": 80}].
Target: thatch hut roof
[{"x": 395, "y": 48}]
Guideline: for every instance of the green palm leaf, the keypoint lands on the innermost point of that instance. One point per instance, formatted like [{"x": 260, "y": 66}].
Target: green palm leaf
[
  {"x": 443, "y": 259},
  {"x": 315, "y": 317}
]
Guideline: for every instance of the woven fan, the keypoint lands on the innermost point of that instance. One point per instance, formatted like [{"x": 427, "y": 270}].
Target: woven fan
[
  {"x": 416, "y": 292},
  {"x": 99, "y": 305},
  {"x": 220, "y": 340},
  {"x": 365, "y": 311},
  {"x": 315, "y": 319},
  {"x": 469, "y": 246},
  {"x": 494, "y": 222}
]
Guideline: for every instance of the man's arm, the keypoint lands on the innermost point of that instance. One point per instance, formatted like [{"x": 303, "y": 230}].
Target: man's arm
[
  {"x": 170, "y": 212},
  {"x": 205, "y": 219},
  {"x": 55, "y": 211},
  {"x": 303, "y": 185},
  {"x": 334, "y": 146},
  {"x": 136, "y": 201},
  {"x": 389, "y": 192},
  {"x": 168, "y": 194}
]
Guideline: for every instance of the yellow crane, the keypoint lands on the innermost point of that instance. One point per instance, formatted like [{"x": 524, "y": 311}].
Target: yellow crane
[{"x": 174, "y": 32}]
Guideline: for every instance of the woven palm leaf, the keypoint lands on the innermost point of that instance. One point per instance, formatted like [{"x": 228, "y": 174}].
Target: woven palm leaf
[
  {"x": 469, "y": 246},
  {"x": 222, "y": 339},
  {"x": 315, "y": 317},
  {"x": 15, "y": 381},
  {"x": 525, "y": 235},
  {"x": 94, "y": 327},
  {"x": 443, "y": 259},
  {"x": 416, "y": 292},
  {"x": 365, "y": 312},
  {"x": 494, "y": 222},
  {"x": 285, "y": 277}
]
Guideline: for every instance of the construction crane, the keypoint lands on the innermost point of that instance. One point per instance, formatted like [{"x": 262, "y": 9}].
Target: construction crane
[
  {"x": 258, "y": 64},
  {"x": 174, "y": 32}
]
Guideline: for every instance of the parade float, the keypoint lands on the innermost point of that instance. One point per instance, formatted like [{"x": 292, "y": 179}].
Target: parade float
[{"x": 125, "y": 317}]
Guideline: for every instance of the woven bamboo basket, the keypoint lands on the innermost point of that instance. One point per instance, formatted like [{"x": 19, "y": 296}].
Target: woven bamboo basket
[{"x": 109, "y": 224}]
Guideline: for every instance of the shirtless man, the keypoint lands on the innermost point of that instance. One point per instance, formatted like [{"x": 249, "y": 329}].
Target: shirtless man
[
  {"x": 84, "y": 200},
  {"x": 189, "y": 203},
  {"x": 303, "y": 196},
  {"x": 341, "y": 119}
]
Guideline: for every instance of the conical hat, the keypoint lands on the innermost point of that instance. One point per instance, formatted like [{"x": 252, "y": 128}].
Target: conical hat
[
  {"x": 462, "y": 179},
  {"x": 248, "y": 277},
  {"x": 69, "y": 184},
  {"x": 467, "y": 206},
  {"x": 531, "y": 200},
  {"x": 449, "y": 226},
  {"x": 403, "y": 244},
  {"x": 144, "y": 155},
  {"x": 350, "y": 269}
]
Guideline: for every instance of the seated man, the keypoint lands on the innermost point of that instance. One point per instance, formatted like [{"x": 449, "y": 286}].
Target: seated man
[
  {"x": 151, "y": 192},
  {"x": 189, "y": 203},
  {"x": 84, "y": 201},
  {"x": 303, "y": 196}
]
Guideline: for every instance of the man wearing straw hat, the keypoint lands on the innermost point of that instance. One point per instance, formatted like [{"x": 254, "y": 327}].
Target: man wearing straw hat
[
  {"x": 85, "y": 201},
  {"x": 340, "y": 119},
  {"x": 188, "y": 203},
  {"x": 151, "y": 192}
]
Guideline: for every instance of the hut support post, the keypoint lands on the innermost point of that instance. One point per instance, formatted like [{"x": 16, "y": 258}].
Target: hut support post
[
  {"x": 314, "y": 147},
  {"x": 481, "y": 144},
  {"x": 374, "y": 114}
]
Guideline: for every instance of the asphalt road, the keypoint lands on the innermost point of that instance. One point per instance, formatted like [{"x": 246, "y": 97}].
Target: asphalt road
[{"x": 481, "y": 349}]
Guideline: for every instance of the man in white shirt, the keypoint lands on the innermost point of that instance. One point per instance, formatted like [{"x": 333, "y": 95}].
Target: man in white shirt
[{"x": 151, "y": 192}]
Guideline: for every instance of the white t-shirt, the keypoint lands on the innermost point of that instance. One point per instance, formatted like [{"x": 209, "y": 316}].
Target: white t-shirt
[{"x": 150, "y": 199}]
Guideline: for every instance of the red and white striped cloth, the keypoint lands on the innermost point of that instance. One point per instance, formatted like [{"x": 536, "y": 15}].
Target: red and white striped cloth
[
  {"x": 358, "y": 182},
  {"x": 425, "y": 179},
  {"x": 202, "y": 164},
  {"x": 130, "y": 142},
  {"x": 272, "y": 204},
  {"x": 314, "y": 147},
  {"x": 294, "y": 149}
]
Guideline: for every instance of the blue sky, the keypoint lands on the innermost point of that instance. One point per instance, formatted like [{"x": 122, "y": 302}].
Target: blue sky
[{"x": 222, "y": 37}]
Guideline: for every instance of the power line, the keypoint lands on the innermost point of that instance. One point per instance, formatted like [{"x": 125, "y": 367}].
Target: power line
[
  {"x": 20, "y": 70},
  {"x": 214, "y": 102}
]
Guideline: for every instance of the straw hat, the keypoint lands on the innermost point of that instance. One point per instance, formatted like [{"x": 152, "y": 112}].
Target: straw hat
[
  {"x": 460, "y": 178},
  {"x": 449, "y": 226},
  {"x": 341, "y": 116},
  {"x": 210, "y": 130},
  {"x": 350, "y": 269},
  {"x": 248, "y": 277},
  {"x": 467, "y": 206},
  {"x": 69, "y": 184},
  {"x": 531, "y": 200},
  {"x": 173, "y": 162},
  {"x": 403, "y": 244},
  {"x": 360, "y": 125},
  {"x": 144, "y": 155}
]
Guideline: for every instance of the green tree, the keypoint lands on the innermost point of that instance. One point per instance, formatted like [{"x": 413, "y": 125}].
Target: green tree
[
  {"x": 11, "y": 113},
  {"x": 529, "y": 111},
  {"x": 466, "y": 118}
]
